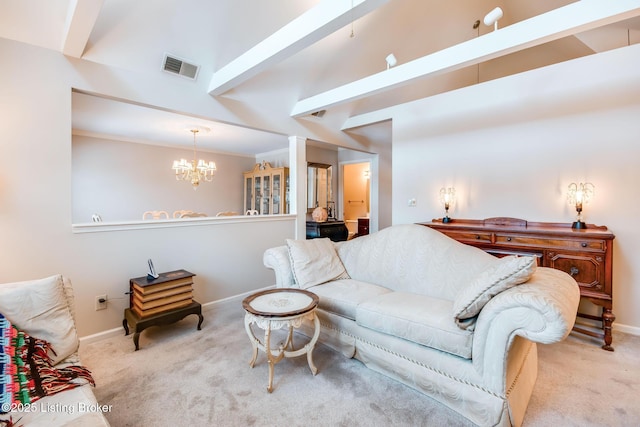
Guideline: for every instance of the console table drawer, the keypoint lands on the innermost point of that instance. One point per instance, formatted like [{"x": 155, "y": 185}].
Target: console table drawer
[
  {"x": 468, "y": 237},
  {"x": 571, "y": 244}
]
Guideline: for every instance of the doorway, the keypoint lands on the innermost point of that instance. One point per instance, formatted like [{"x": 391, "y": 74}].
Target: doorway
[{"x": 356, "y": 194}]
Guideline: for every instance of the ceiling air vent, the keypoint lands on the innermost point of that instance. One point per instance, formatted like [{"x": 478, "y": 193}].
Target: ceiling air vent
[{"x": 175, "y": 65}]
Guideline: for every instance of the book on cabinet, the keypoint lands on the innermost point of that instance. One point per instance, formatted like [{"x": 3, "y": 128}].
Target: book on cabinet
[{"x": 169, "y": 291}]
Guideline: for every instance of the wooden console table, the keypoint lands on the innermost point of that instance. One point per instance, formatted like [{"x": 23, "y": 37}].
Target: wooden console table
[
  {"x": 586, "y": 254},
  {"x": 139, "y": 324},
  {"x": 160, "y": 301}
]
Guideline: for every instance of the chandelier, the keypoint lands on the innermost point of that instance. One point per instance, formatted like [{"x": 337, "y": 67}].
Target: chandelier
[{"x": 194, "y": 171}]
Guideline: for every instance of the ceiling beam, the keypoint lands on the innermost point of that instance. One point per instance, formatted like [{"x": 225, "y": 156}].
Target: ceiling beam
[
  {"x": 367, "y": 119},
  {"x": 315, "y": 24},
  {"x": 81, "y": 17},
  {"x": 565, "y": 21}
]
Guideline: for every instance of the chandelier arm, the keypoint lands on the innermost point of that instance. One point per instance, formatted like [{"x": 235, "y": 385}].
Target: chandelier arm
[{"x": 195, "y": 131}]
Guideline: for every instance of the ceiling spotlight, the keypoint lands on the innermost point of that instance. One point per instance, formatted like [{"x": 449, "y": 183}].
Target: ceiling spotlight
[
  {"x": 391, "y": 60},
  {"x": 492, "y": 18}
]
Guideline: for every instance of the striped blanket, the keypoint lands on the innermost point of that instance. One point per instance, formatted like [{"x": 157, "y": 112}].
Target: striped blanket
[{"x": 26, "y": 372}]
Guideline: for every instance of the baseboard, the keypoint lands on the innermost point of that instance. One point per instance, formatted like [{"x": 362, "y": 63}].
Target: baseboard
[
  {"x": 631, "y": 330},
  {"x": 210, "y": 304},
  {"x": 596, "y": 326},
  {"x": 120, "y": 331},
  {"x": 102, "y": 335}
]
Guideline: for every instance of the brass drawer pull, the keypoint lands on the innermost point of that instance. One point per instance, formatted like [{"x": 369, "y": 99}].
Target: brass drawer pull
[
  {"x": 508, "y": 239},
  {"x": 477, "y": 236},
  {"x": 584, "y": 245},
  {"x": 574, "y": 271}
]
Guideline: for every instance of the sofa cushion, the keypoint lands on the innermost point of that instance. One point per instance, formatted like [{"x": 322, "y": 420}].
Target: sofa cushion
[
  {"x": 314, "y": 261},
  {"x": 343, "y": 296},
  {"x": 39, "y": 307},
  {"x": 505, "y": 273},
  {"x": 413, "y": 258},
  {"x": 418, "y": 318}
]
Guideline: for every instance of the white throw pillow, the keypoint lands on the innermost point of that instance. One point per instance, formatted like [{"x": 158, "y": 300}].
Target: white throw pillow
[
  {"x": 314, "y": 262},
  {"x": 40, "y": 308},
  {"x": 506, "y": 273}
]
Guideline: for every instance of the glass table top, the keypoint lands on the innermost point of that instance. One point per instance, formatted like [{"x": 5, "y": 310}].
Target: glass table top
[{"x": 280, "y": 302}]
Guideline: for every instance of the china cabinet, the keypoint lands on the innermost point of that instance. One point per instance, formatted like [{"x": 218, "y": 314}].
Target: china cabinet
[{"x": 266, "y": 189}]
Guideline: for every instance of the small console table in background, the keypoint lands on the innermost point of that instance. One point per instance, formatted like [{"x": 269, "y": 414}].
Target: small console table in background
[
  {"x": 139, "y": 324},
  {"x": 335, "y": 230},
  {"x": 160, "y": 301},
  {"x": 586, "y": 254}
]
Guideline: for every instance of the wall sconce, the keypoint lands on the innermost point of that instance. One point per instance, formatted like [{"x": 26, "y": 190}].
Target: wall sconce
[
  {"x": 391, "y": 60},
  {"x": 447, "y": 198},
  {"x": 577, "y": 195},
  {"x": 492, "y": 18}
]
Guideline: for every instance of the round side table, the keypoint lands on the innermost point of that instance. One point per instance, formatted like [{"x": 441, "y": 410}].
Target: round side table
[{"x": 275, "y": 309}]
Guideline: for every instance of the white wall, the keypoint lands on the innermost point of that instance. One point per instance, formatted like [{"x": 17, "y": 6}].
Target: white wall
[
  {"x": 511, "y": 147},
  {"x": 121, "y": 180},
  {"x": 36, "y": 238},
  {"x": 277, "y": 159}
]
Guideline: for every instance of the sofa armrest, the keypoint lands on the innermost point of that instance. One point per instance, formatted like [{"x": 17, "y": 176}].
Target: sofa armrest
[
  {"x": 542, "y": 310},
  {"x": 278, "y": 260}
]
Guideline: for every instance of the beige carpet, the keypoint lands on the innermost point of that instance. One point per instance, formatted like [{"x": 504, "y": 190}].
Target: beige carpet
[{"x": 184, "y": 377}]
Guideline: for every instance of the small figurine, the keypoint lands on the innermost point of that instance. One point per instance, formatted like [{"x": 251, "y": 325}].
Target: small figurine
[{"x": 319, "y": 214}]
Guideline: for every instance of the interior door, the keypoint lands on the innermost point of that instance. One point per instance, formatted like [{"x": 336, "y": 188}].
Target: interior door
[{"x": 356, "y": 194}]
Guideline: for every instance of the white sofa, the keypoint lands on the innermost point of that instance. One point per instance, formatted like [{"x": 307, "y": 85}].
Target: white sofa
[
  {"x": 44, "y": 309},
  {"x": 396, "y": 307}
]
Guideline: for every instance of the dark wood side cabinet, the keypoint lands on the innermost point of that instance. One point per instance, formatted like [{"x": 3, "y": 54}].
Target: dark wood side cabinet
[
  {"x": 363, "y": 226},
  {"x": 586, "y": 254},
  {"x": 334, "y": 230},
  {"x": 160, "y": 301}
]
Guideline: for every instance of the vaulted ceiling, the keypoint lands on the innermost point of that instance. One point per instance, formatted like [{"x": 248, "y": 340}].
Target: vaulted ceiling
[{"x": 275, "y": 62}]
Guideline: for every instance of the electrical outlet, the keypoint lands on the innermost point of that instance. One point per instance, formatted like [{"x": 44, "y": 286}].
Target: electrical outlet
[
  {"x": 101, "y": 302},
  {"x": 412, "y": 203}
]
